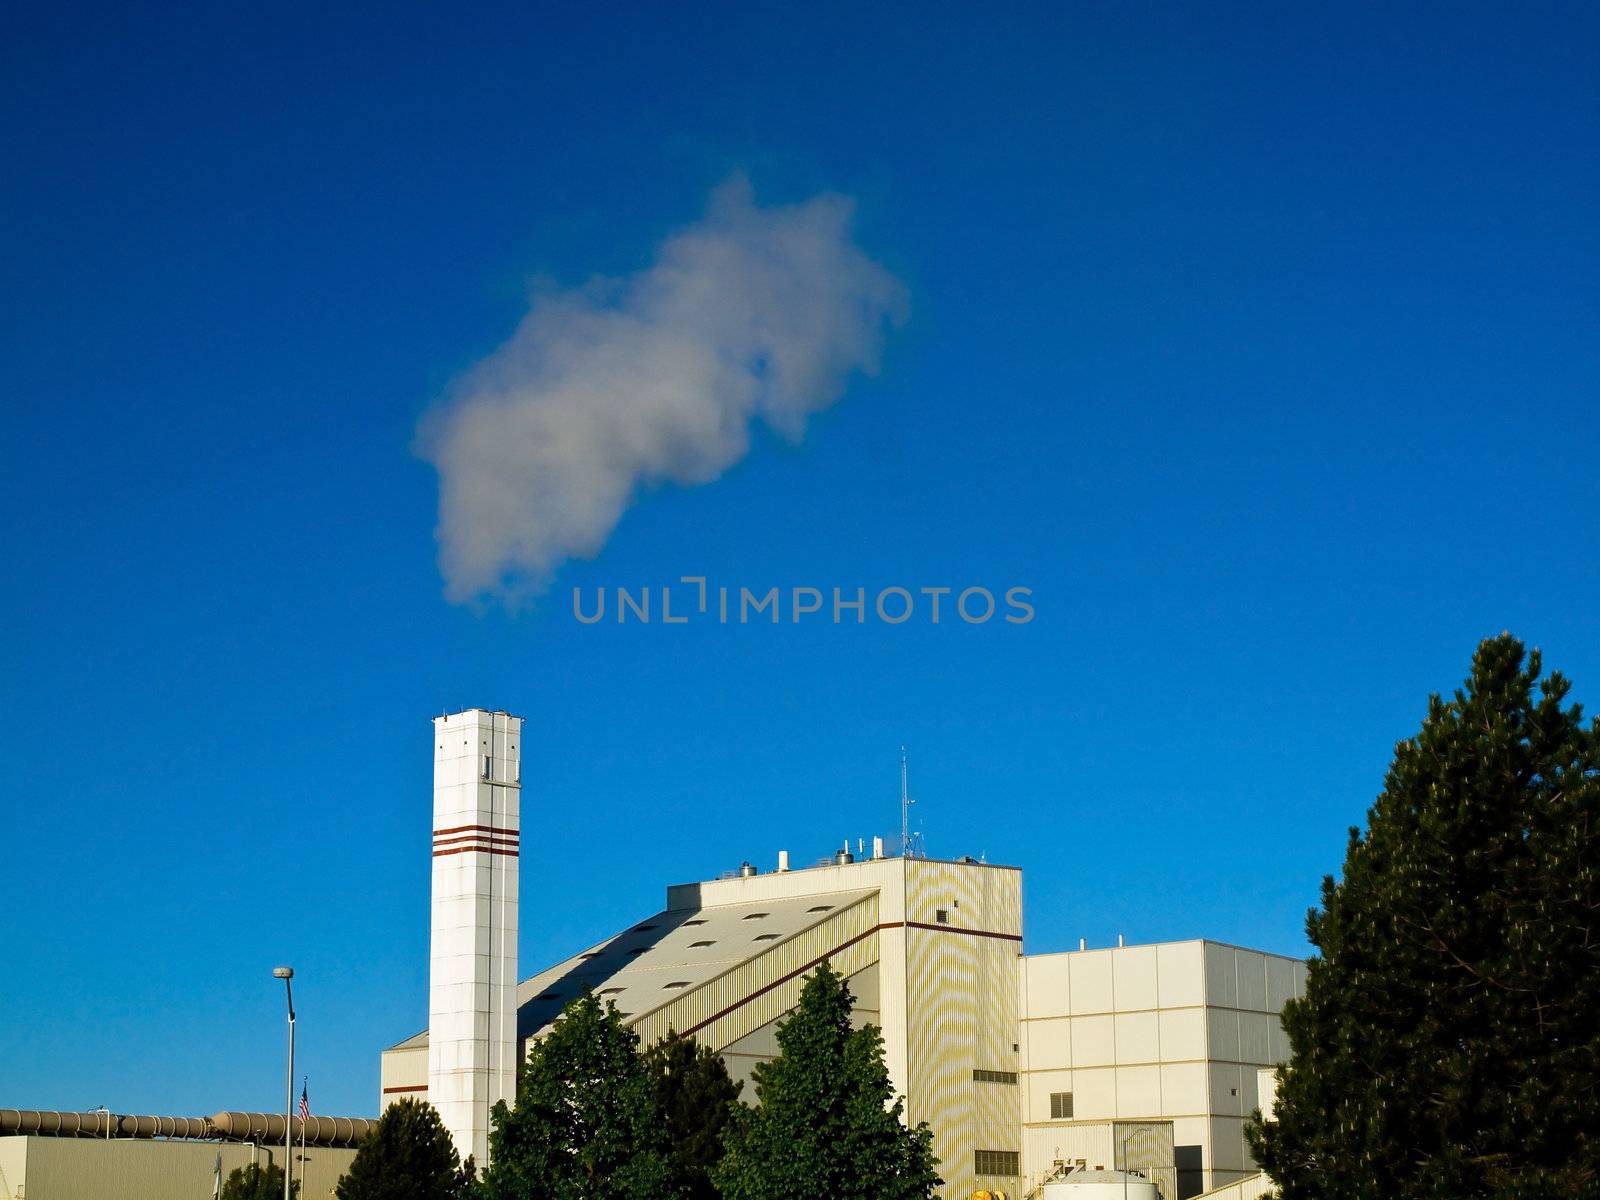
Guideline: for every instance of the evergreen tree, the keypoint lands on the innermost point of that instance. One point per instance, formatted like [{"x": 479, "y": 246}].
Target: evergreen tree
[
  {"x": 825, "y": 1126},
  {"x": 409, "y": 1156},
  {"x": 256, "y": 1181},
  {"x": 695, "y": 1096},
  {"x": 586, "y": 1125},
  {"x": 1448, "y": 1044}
]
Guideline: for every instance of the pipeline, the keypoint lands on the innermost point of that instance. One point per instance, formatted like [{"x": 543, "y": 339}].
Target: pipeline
[
  {"x": 224, "y": 1126},
  {"x": 268, "y": 1128}
]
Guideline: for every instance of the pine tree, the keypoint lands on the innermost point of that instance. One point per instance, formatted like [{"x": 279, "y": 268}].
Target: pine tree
[
  {"x": 695, "y": 1095},
  {"x": 586, "y": 1125},
  {"x": 409, "y": 1156},
  {"x": 1448, "y": 1044},
  {"x": 825, "y": 1125}
]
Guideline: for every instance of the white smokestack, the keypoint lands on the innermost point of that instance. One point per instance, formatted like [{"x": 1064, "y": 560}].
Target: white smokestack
[
  {"x": 625, "y": 384},
  {"x": 472, "y": 959}
]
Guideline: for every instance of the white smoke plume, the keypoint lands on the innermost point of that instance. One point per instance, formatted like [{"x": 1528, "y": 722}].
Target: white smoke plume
[{"x": 619, "y": 385}]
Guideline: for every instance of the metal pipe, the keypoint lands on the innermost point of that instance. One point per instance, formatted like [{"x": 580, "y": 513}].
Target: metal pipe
[
  {"x": 223, "y": 1126},
  {"x": 287, "y": 975}
]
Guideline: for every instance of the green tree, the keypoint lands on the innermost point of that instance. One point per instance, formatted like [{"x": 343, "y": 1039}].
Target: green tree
[
  {"x": 825, "y": 1125},
  {"x": 695, "y": 1096},
  {"x": 586, "y": 1125},
  {"x": 1448, "y": 1042},
  {"x": 256, "y": 1181},
  {"x": 409, "y": 1156}
]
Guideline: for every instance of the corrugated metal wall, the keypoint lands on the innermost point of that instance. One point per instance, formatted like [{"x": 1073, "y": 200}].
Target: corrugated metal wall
[{"x": 133, "y": 1169}]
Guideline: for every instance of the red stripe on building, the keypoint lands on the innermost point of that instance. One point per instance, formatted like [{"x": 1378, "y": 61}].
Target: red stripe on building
[
  {"x": 478, "y": 828},
  {"x": 474, "y": 837},
  {"x": 475, "y": 850}
]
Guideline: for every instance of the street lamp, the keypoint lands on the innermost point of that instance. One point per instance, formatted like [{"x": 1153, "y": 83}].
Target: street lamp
[
  {"x": 1125, "y": 1142},
  {"x": 287, "y": 975}
]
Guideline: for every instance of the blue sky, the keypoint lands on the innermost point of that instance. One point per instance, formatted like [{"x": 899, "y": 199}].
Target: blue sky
[{"x": 1262, "y": 345}]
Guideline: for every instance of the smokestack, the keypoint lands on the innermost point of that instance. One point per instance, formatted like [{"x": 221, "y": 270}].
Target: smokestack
[
  {"x": 1083, "y": 943},
  {"x": 877, "y": 847},
  {"x": 472, "y": 961},
  {"x": 1120, "y": 942},
  {"x": 783, "y": 860}
]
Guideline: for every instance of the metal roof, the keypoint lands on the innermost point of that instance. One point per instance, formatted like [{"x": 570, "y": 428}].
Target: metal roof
[{"x": 666, "y": 956}]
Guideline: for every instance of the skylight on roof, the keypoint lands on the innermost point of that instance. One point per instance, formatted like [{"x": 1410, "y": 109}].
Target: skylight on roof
[
  {"x": 754, "y": 916},
  {"x": 679, "y": 983},
  {"x": 696, "y": 945},
  {"x": 766, "y": 937}
]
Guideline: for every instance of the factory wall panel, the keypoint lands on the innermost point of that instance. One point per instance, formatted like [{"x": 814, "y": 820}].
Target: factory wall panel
[
  {"x": 1183, "y": 1033},
  {"x": 1181, "y": 972},
  {"x": 1251, "y": 966},
  {"x": 1092, "y": 987},
  {"x": 59, "y": 1168},
  {"x": 1133, "y": 978},
  {"x": 1139, "y": 1091},
  {"x": 1254, "y": 1044},
  {"x": 1046, "y": 990},
  {"x": 1049, "y": 1041},
  {"x": 1138, "y": 1035},
  {"x": 1094, "y": 1041},
  {"x": 1183, "y": 1089},
  {"x": 1277, "y": 1040},
  {"x": 1094, "y": 1093},
  {"x": 1224, "y": 1086},
  {"x": 1037, "y": 1088},
  {"x": 1222, "y": 1033},
  {"x": 1222, "y": 976}
]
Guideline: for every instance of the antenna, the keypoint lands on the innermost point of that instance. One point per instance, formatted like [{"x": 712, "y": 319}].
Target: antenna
[{"x": 908, "y": 847}]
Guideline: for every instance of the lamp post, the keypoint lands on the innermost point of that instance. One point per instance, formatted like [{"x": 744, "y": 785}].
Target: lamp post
[
  {"x": 1125, "y": 1142},
  {"x": 287, "y": 975}
]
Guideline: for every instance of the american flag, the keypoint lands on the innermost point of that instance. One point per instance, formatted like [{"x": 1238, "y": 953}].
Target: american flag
[{"x": 305, "y": 1108}]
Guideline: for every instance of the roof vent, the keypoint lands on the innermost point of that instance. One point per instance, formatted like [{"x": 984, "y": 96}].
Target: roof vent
[
  {"x": 843, "y": 856},
  {"x": 746, "y": 870}
]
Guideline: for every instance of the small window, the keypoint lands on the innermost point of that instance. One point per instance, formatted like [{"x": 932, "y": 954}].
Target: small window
[
  {"x": 820, "y": 908},
  {"x": 696, "y": 921},
  {"x": 755, "y": 916},
  {"x": 611, "y": 991},
  {"x": 676, "y": 984},
  {"x": 592, "y": 953},
  {"x": 982, "y": 1076},
  {"x": 994, "y": 1162},
  {"x": 1061, "y": 1106},
  {"x": 697, "y": 945},
  {"x": 942, "y": 915},
  {"x": 488, "y": 767},
  {"x": 766, "y": 937}
]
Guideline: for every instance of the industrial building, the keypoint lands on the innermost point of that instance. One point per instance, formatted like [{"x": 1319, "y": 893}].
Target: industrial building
[
  {"x": 1142, "y": 1058},
  {"x": 109, "y": 1156}
]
